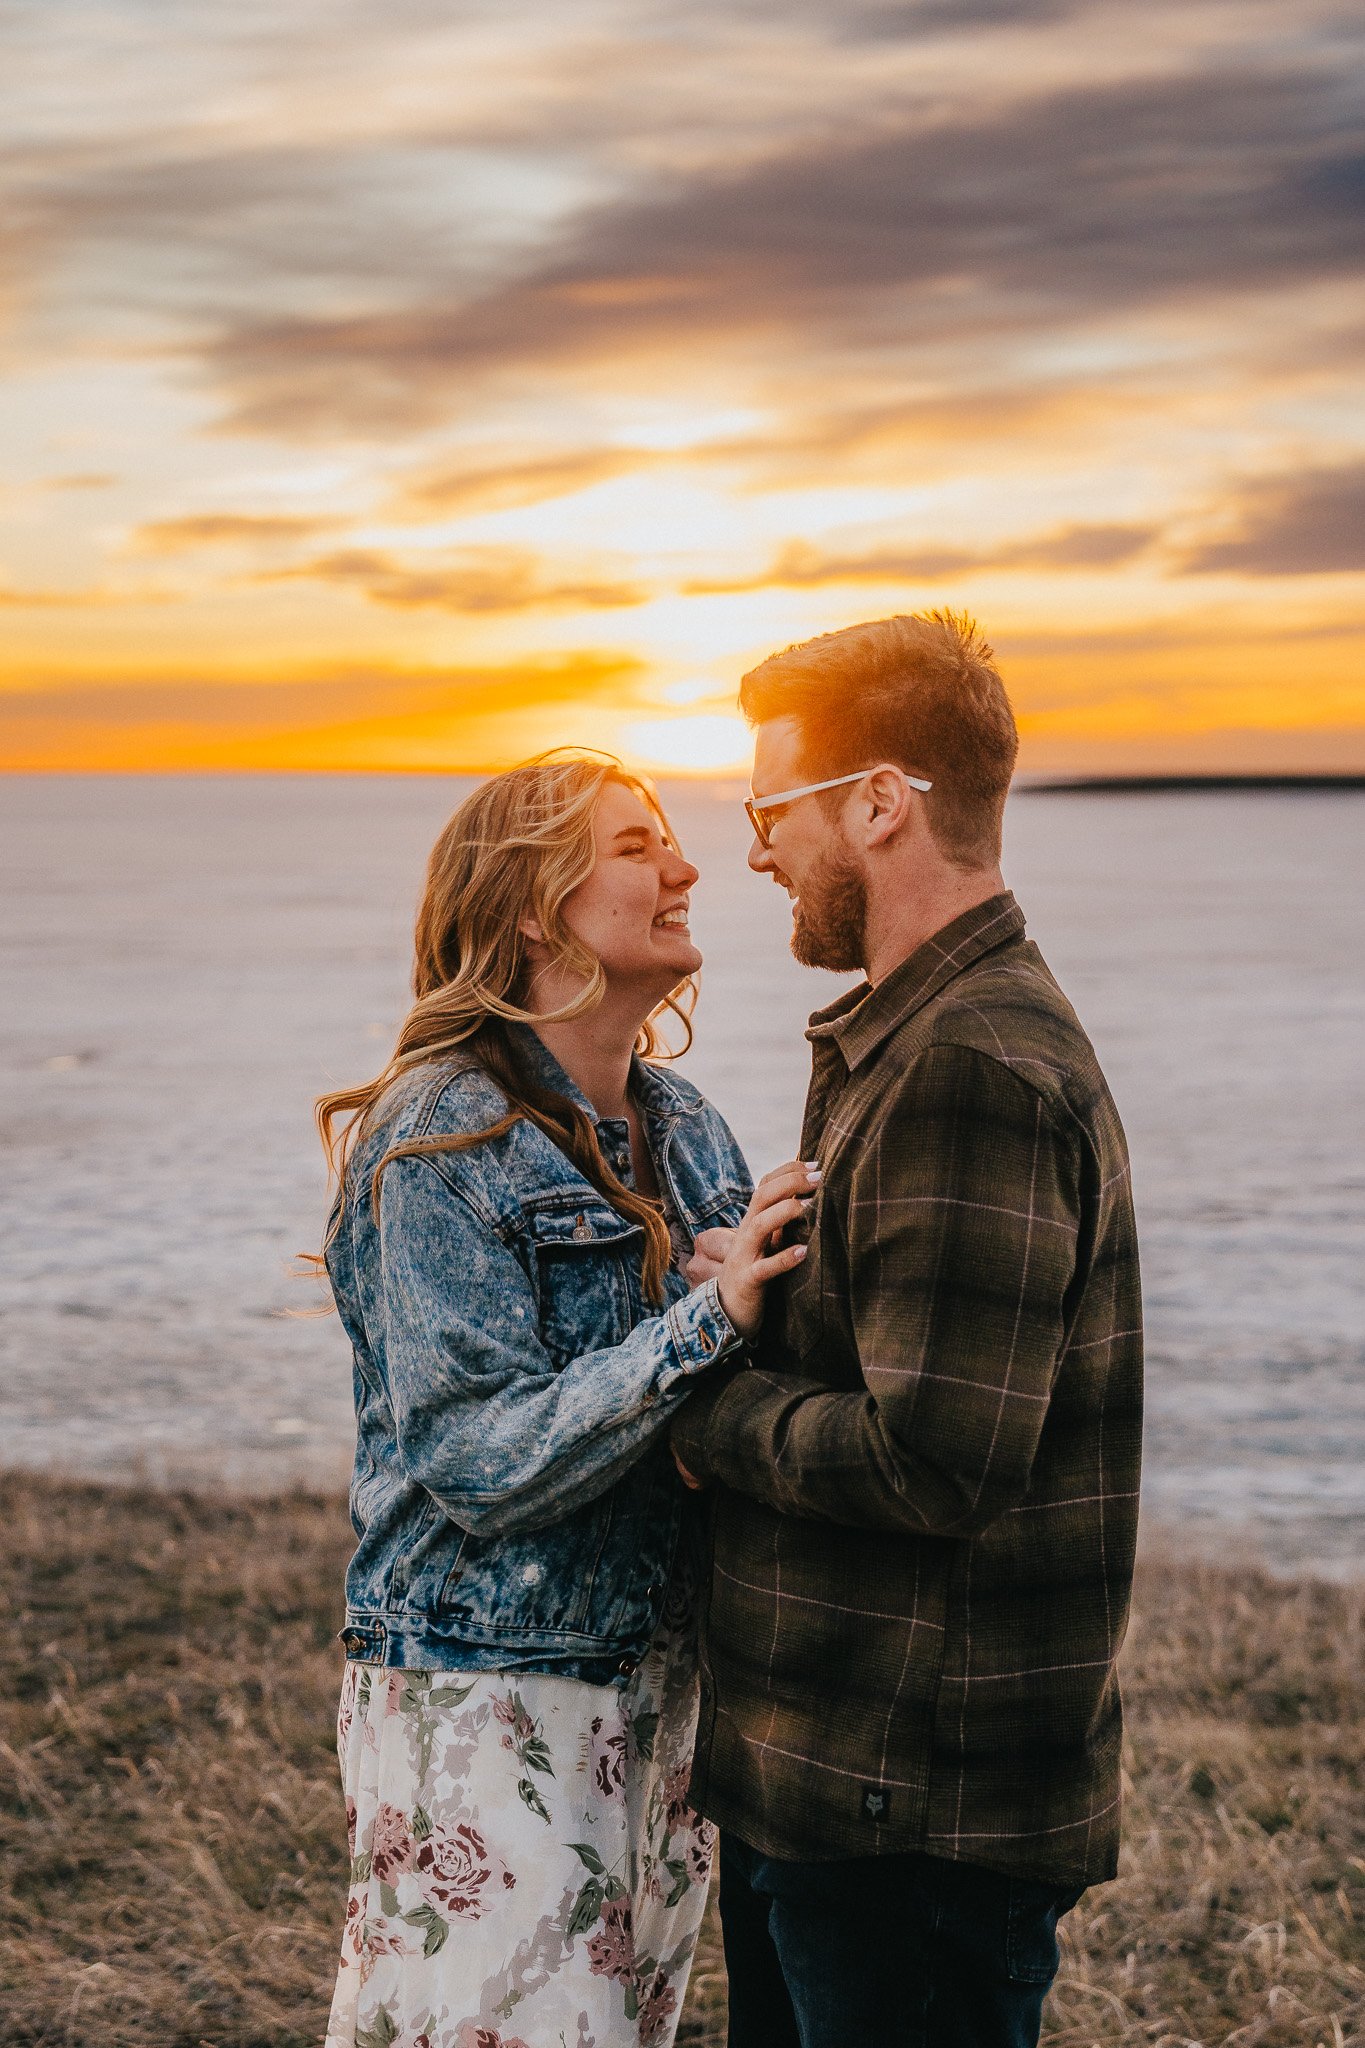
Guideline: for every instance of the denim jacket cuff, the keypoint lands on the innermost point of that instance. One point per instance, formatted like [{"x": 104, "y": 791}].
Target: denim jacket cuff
[{"x": 700, "y": 1329}]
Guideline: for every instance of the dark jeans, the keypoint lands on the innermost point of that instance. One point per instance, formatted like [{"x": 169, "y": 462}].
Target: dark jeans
[{"x": 903, "y": 1951}]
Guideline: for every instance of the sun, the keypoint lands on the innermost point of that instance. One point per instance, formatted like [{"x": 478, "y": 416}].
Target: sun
[{"x": 705, "y": 743}]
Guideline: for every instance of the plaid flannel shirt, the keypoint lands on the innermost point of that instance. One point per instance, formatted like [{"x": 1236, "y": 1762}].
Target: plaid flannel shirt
[{"x": 926, "y": 1482}]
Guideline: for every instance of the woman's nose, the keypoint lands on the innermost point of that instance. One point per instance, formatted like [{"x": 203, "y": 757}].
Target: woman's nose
[{"x": 682, "y": 874}]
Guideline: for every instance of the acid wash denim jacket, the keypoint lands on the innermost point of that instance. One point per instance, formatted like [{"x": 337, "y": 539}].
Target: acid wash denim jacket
[{"x": 514, "y": 1496}]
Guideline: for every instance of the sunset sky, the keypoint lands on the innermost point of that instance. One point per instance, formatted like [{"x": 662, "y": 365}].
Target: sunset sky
[{"x": 422, "y": 385}]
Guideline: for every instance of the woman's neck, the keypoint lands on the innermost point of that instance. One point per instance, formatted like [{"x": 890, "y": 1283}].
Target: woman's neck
[{"x": 595, "y": 1052}]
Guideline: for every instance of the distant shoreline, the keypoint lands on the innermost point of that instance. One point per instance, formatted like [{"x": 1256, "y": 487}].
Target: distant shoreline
[{"x": 1139, "y": 785}]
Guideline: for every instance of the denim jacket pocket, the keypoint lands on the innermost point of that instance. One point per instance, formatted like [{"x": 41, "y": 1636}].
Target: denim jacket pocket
[
  {"x": 430, "y": 1535},
  {"x": 586, "y": 1259}
]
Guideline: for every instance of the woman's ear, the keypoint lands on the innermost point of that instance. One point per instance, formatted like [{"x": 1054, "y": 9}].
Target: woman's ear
[{"x": 532, "y": 929}]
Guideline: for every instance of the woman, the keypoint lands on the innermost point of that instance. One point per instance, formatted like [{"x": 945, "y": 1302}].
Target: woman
[{"x": 518, "y": 1191}]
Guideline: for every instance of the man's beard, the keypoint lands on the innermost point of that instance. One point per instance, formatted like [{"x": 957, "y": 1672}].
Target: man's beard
[{"x": 830, "y": 926}]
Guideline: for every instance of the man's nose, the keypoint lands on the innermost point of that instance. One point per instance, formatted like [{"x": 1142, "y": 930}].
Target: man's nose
[{"x": 760, "y": 857}]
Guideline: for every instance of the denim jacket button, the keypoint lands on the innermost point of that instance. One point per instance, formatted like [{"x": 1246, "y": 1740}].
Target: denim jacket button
[
  {"x": 626, "y": 1666},
  {"x": 582, "y": 1231}
]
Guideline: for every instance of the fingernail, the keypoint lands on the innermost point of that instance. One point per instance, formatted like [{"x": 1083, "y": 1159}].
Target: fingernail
[
  {"x": 814, "y": 1176},
  {"x": 811, "y": 1165},
  {"x": 799, "y": 1252}
]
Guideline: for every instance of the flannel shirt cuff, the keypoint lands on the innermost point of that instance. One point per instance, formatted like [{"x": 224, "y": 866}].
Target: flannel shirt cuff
[{"x": 700, "y": 1329}]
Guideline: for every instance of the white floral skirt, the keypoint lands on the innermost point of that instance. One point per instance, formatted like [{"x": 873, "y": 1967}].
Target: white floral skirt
[{"x": 526, "y": 1871}]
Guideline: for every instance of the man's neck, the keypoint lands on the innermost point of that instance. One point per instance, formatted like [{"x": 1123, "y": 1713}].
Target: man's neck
[{"x": 903, "y": 919}]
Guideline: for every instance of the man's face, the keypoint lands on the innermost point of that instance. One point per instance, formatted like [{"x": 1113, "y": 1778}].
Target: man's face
[{"x": 809, "y": 854}]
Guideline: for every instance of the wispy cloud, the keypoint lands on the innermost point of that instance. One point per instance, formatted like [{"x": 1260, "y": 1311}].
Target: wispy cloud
[
  {"x": 415, "y": 716},
  {"x": 1310, "y": 523},
  {"x": 193, "y": 530},
  {"x": 469, "y": 580},
  {"x": 79, "y": 598},
  {"x": 1081, "y": 205},
  {"x": 483, "y": 482},
  {"x": 81, "y": 480},
  {"x": 801, "y": 566}
]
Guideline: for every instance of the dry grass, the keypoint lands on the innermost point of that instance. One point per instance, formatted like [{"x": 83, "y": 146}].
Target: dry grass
[{"x": 171, "y": 1832}]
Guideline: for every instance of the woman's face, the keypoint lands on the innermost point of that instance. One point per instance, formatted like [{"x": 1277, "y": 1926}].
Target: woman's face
[{"x": 632, "y": 910}]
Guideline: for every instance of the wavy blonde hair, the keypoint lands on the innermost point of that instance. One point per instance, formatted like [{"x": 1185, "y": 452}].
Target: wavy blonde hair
[{"x": 514, "y": 850}]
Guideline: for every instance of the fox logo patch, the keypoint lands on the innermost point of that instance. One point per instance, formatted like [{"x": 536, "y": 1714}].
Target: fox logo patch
[{"x": 876, "y": 1804}]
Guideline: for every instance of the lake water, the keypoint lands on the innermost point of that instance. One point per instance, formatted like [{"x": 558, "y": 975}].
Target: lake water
[{"x": 189, "y": 960}]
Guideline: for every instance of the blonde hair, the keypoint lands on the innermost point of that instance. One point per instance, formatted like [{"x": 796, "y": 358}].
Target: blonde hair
[{"x": 514, "y": 850}]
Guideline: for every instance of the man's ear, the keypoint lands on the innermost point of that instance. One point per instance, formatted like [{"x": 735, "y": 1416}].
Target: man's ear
[{"x": 889, "y": 795}]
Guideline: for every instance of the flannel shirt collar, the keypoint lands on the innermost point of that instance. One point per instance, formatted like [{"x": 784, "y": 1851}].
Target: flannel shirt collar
[{"x": 864, "y": 1017}]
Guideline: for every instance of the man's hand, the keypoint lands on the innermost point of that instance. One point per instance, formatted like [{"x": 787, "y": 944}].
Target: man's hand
[{"x": 709, "y": 1254}]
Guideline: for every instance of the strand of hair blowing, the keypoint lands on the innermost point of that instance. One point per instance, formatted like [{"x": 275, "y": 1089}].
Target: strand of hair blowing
[{"x": 516, "y": 848}]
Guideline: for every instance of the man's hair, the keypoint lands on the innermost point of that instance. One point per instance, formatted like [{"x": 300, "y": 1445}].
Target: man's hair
[{"x": 920, "y": 690}]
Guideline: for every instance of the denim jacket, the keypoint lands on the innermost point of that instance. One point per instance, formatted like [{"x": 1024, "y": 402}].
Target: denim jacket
[{"x": 514, "y": 1496}]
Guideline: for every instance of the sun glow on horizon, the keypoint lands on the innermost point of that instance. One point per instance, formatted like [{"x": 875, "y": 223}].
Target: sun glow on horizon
[{"x": 706, "y": 743}]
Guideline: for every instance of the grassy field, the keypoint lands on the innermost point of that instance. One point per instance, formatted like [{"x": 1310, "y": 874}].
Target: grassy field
[{"x": 172, "y": 1837}]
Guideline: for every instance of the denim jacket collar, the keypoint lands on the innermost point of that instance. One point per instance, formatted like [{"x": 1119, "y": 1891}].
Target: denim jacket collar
[{"x": 653, "y": 1088}]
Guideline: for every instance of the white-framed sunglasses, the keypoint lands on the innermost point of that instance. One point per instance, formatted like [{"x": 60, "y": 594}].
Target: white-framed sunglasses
[{"x": 760, "y": 807}]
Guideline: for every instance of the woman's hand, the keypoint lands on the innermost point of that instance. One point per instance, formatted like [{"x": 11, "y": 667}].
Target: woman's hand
[{"x": 750, "y": 1261}]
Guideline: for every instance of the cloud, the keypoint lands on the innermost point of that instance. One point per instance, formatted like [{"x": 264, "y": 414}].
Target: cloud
[
  {"x": 469, "y": 580},
  {"x": 1087, "y": 204},
  {"x": 451, "y": 489},
  {"x": 401, "y": 717},
  {"x": 204, "y": 698},
  {"x": 81, "y": 480},
  {"x": 96, "y": 597},
  {"x": 227, "y": 529},
  {"x": 1308, "y": 524},
  {"x": 801, "y": 566}
]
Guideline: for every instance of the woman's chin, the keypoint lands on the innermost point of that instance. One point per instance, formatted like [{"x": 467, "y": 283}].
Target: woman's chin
[{"x": 685, "y": 955}]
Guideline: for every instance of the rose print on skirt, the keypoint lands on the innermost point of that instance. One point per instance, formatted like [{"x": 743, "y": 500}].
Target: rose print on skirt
[{"x": 524, "y": 1861}]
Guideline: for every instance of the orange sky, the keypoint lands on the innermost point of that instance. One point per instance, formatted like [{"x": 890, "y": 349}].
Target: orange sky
[{"x": 382, "y": 390}]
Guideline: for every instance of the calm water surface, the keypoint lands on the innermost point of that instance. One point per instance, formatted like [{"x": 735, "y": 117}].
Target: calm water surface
[{"x": 188, "y": 961}]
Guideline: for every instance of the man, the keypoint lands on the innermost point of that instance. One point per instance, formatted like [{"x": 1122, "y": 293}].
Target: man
[{"x": 925, "y": 1480}]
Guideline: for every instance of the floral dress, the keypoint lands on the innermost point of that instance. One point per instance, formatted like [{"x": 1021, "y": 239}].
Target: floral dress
[{"x": 526, "y": 1871}]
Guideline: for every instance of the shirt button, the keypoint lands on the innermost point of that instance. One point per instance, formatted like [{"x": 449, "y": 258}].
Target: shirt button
[{"x": 651, "y": 1592}]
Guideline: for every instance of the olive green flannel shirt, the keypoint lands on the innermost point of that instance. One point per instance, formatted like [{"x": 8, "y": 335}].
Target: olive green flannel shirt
[{"x": 926, "y": 1481}]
